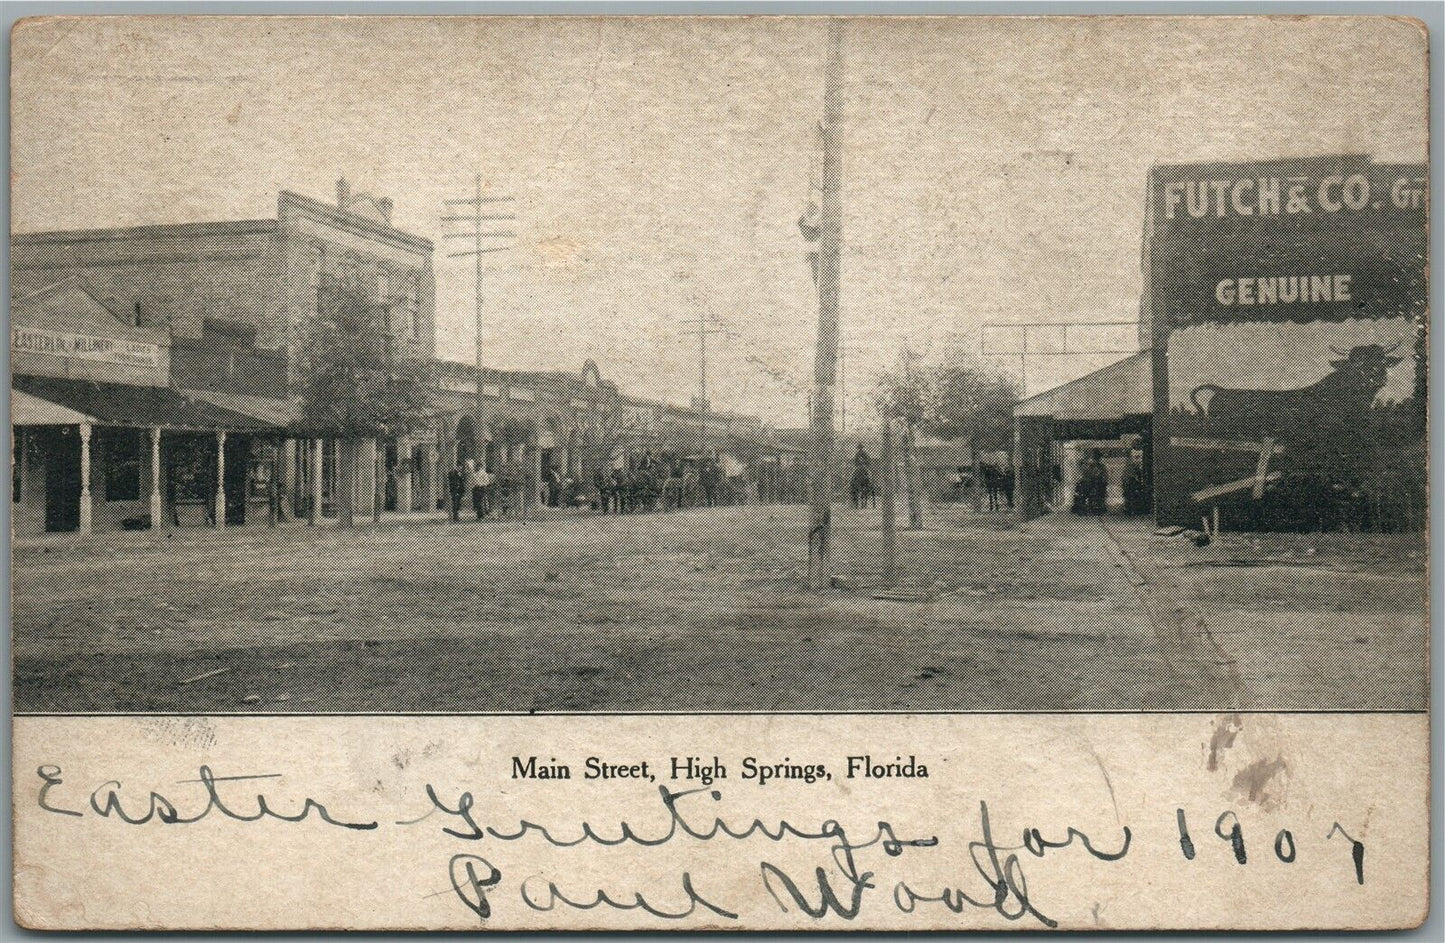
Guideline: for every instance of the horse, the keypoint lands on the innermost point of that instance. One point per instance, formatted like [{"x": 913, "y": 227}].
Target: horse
[{"x": 860, "y": 488}]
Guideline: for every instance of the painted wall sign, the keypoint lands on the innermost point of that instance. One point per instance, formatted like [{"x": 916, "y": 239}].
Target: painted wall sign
[
  {"x": 84, "y": 347},
  {"x": 1285, "y": 299}
]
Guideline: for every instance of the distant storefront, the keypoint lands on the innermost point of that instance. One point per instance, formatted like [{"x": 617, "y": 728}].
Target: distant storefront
[
  {"x": 1283, "y": 382},
  {"x": 1109, "y": 412},
  {"x": 203, "y": 314}
]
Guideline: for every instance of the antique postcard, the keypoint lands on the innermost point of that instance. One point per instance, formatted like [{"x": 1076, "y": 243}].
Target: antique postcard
[{"x": 764, "y": 473}]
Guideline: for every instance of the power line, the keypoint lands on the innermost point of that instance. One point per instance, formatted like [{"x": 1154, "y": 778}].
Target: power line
[{"x": 1016, "y": 336}]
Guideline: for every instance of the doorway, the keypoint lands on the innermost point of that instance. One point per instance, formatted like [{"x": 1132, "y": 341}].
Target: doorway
[
  {"x": 238, "y": 468},
  {"x": 60, "y": 451},
  {"x": 466, "y": 439}
]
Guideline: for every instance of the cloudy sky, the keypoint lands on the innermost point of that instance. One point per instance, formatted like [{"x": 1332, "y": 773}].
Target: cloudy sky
[{"x": 994, "y": 168}]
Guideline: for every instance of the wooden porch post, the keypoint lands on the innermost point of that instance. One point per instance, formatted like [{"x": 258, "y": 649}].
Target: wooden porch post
[
  {"x": 405, "y": 455},
  {"x": 220, "y": 514},
  {"x": 156, "y": 510},
  {"x": 86, "y": 518},
  {"x": 313, "y": 516},
  {"x": 430, "y": 453},
  {"x": 1023, "y": 484}
]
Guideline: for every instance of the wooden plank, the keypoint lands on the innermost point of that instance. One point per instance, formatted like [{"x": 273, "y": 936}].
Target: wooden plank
[
  {"x": 202, "y": 677},
  {"x": 1224, "y": 445},
  {"x": 1262, "y": 469},
  {"x": 1206, "y": 493}
]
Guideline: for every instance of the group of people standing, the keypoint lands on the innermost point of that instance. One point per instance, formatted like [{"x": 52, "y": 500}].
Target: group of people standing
[
  {"x": 663, "y": 483},
  {"x": 469, "y": 477},
  {"x": 648, "y": 484},
  {"x": 1091, "y": 492},
  {"x": 500, "y": 492}
]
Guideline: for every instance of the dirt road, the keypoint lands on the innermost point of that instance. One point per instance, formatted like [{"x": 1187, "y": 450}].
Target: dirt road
[{"x": 706, "y": 610}]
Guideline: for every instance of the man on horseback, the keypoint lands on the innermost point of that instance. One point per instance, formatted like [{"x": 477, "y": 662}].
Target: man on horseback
[{"x": 860, "y": 487}]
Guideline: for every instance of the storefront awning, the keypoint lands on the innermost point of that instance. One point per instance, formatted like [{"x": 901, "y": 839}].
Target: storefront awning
[
  {"x": 27, "y": 410},
  {"x": 279, "y": 413},
  {"x": 1125, "y": 388},
  {"x": 119, "y": 404}
]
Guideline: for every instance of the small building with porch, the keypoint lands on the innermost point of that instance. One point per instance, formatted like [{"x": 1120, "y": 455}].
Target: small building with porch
[
  {"x": 1110, "y": 411},
  {"x": 103, "y": 441}
]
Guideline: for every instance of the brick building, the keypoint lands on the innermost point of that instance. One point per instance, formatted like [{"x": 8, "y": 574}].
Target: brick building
[{"x": 222, "y": 303}]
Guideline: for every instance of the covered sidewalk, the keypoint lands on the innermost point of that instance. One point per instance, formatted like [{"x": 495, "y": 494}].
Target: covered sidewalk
[
  {"x": 1110, "y": 410},
  {"x": 80, "y": 462}
]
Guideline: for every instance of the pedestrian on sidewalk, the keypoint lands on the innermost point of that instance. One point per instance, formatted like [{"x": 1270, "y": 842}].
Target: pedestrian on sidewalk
[
  {"x": 456, "y": 487},
  {"x": 481, "y": 481}
]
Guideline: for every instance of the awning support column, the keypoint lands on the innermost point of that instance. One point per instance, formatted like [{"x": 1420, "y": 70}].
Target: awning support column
[
  {"x": 433, "y": 478},
  {"x": 366, "y": 479},
  {"x": 289, "y": 489},
  {"x": 156, "y": 512},
  {"x": 1023, "y": 482},
  {"x": 536, "y": 462},
  {"x": 86, "y": 518},
  {"x": 220, "y": 516},
  {"x": 405, "y": 458},
  {"x": 313, "y": 513}
]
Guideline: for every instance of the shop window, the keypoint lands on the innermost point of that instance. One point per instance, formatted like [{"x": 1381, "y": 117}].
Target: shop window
[
  {"x": 315, "y": 266},
  {"x": 192, "y": 469},
  {"x": 122, "y": 463},
  {"x": 413, "y": 305}
]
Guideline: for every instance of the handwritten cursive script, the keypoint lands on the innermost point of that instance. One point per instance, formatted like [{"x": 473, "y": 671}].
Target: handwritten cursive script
[{"x": 842, "y": 884}]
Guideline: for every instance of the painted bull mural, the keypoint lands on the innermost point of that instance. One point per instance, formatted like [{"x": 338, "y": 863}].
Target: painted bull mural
[
  {"x": 1347, "y": 392},
  {"x": 1253, "y": 414}
]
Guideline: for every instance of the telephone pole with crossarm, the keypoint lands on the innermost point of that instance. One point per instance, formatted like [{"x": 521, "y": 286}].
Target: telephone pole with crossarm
[{"x": 477, "y": 214}]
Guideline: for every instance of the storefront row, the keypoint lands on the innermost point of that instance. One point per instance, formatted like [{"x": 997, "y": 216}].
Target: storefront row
[
  {"x": 85, "y": 477},
  {"x": 72, "y": 472}
]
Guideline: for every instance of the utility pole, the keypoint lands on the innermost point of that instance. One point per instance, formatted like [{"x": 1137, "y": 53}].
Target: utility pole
[
  {"x": 476, "y": 217},
  {"x": 825, "y": 364},
  {"x": 699, "y": 326},
  {"x": 910, "y": 477},
  {"x": 889, "y": 481}
]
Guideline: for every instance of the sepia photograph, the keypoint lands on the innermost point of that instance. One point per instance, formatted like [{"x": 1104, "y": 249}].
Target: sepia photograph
[{"x": 753, "y": 364}]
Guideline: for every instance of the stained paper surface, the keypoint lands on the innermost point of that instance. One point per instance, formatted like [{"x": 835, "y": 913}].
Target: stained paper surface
[{"x": 421, "y": 425}]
